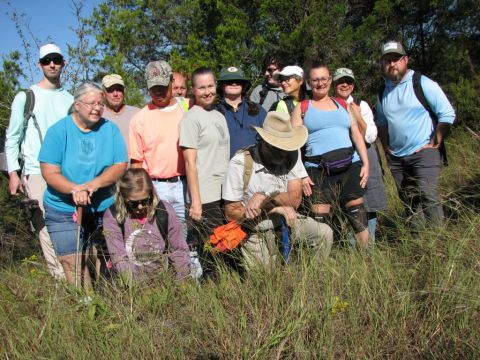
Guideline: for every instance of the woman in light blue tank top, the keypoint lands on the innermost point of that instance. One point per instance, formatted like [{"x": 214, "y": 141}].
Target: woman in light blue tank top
[{"x": 336, "y": 157}]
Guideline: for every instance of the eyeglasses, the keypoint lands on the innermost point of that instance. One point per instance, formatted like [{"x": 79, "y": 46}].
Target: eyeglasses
[
  {"x": 323, "y": 80},
  {"x": 386, "y": 60},
  {"x": 57, "y": 60},
  {"x": 92, "y": 105},
  {"x": 133, "y": 204},
  {"x": 271, "y": 70}
]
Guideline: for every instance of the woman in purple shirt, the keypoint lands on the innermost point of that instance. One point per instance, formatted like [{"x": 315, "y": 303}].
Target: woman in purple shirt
[{"x": 143, "y": 233}]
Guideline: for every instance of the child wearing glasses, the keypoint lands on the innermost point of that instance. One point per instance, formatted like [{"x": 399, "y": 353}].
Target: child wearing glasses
[{"x": 142, "y": 232}]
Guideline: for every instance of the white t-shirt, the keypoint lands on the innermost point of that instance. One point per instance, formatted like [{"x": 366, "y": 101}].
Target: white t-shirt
[{"x": 261, "y": 180}]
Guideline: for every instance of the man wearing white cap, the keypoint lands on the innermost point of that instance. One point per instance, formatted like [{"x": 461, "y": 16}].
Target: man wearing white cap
[
  {"x": 116, "y": 111},
  {"x": 272, "y": 192},
  {"x": 51, "y": 103}
]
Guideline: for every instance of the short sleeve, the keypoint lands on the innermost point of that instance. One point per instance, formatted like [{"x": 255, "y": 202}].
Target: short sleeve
[
  {"x": 52, "y": 150},
  {"x": 233, "y": 187},
  {"x": 189, "y": 131}
]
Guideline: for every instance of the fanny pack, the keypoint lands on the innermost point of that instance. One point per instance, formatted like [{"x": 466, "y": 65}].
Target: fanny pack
[{"x": 334, "y": 162}]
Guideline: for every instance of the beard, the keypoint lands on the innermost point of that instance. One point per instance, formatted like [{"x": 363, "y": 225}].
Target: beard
[{"x": 395, "y": 75}]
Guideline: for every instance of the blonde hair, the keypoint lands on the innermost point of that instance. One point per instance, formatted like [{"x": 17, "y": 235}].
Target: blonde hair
[{"x": 134, "y": 180}]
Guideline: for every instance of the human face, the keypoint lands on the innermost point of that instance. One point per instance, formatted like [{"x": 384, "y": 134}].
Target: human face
[
  {"x": 320, "y": 82},
  {"x": 233, "y": 88},
  {"x": 291, "y": 85},
  {"x": 179, "y": 87},
  {"x": 52, "y": 65},
  {"x": 271, "y": 68},
  {"x": 161, "y": 95},
  {"x": 114, "y": 96},
  {"x": 138, "y": 203},
  {"x": 89, "y": 108},
  {"x": 344, "y": 87},
  {"x": 394, "y": 66},
  {"x": 204, "y": 90}
]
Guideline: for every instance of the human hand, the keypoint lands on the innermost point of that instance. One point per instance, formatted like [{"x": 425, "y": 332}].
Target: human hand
[
  {"x": 195, "y": 211},
  {"x": 254, "y": 205},
  {"x": 287, "y": 212},
  {"x": 80, "y": 195},
  {"x": 364, "y": 171},
  {"x": 15, "y": 183},
  {"x": 307, "y": 184}
]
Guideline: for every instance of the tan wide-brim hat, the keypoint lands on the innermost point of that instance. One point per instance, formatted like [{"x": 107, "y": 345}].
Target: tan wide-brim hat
[{"x": 278, "y": 131}]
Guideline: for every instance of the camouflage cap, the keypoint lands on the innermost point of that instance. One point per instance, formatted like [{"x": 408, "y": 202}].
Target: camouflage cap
[
  {"x": 343, "y": 72},
  {"x": 158, "y": 73},
  {"x": 112, "y": 79}
]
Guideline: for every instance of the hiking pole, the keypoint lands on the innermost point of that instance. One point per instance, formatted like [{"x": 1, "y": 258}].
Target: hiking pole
[{"x": 79, "y": 228}]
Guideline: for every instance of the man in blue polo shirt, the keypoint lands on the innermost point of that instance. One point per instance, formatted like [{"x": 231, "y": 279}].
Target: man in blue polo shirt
[{"x": 408, "y": 134}]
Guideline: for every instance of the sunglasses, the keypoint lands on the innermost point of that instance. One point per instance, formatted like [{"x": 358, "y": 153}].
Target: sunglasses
[
  {"x": 133, "y": 204},
  {"x": 57, "y": 60},
  {"x": 271, "y": 70},
  {"x": 345, "y": 80},
  {"x": 233, "y": 82}
]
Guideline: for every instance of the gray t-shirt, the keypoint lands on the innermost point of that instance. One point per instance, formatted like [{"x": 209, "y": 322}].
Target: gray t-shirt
[
  {"x": 207, "y": 132},
  {"x": 121, "y": 119}
]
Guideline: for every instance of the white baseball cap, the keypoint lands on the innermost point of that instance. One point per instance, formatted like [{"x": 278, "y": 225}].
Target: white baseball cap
[
  {"x": 289, "y": 71},
  {"x": 49, "y": 49}
]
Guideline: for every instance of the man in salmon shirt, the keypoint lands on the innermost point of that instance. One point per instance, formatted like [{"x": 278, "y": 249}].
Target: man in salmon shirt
[{"x": 153, "y": 139}]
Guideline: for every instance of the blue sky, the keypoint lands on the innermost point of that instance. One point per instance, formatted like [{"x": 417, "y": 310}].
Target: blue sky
[{"x": 49, "y": 19}]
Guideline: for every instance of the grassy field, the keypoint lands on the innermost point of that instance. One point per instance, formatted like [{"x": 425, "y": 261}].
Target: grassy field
[{"x": 414, "y": 297}]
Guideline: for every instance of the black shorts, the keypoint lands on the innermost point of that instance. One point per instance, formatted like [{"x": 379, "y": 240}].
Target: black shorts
[{"x": 344, "y": 186}]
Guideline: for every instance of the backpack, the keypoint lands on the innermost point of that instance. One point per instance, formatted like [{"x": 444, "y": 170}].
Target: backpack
[
  {"x": 288, "y": 101},
  {"x": 161, "y": 217},
  {"x": 418, "y": 90},
  {"x": 27, "y": 114}
]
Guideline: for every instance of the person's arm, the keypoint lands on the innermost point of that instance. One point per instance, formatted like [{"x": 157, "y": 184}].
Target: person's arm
[
  {"x": 12, "y": 142},
  {"x": 178, "y": 251},
  {"x": 190, "y": 157},
  {"x": 367, "y": 116},
  {"x": 356, "y": 114},
  {"x": 135, "y": 142},
  {"x": 296, "y": 118},
  {"x": 359, "y": 142},
  {"x": 116, "y": 244},
  {"x": 81, "y": 193}
]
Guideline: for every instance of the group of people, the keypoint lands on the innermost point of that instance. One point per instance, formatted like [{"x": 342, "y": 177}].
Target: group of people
[{"x": 147, "y": 187}]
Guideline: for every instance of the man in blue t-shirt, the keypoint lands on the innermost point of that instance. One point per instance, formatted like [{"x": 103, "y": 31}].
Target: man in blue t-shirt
[
  {"x": 408, "y": 134},
  {"x": 52, "y": 102}
]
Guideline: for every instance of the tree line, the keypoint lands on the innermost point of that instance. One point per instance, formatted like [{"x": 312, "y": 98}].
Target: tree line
[{"x": 441, "y": 36}]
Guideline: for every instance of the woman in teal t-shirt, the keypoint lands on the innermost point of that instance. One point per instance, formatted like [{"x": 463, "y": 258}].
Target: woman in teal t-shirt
[{"x": 82, "y": 156}]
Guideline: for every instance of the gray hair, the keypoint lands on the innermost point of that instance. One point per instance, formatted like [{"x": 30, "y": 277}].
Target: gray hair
[{"x": 82, "y": 90}]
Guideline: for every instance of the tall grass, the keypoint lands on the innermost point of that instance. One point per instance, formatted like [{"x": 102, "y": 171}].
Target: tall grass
[{"x": 413, "y": 297}]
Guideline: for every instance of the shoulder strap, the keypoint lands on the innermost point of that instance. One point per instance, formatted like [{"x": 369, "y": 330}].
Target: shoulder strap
[
  {"x": 289, "y": 102},
  {"x": 418, "y": 90},
  {"x": 263, "y": 94},
  {"x": 304, "y": 107},
  {"x": 380, "y": 92},
  {"x": 28, "y": 113},
  {"x": 340, "y": 102},
  {"x": 161, "y": 216},
  {"x": 247, "y": 165}
]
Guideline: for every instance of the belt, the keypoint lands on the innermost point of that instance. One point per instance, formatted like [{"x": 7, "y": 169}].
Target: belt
[{"x": 170, "y": 179}]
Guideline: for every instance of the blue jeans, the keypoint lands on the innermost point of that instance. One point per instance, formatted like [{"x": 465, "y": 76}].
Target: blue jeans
[
  {"x": 174, "y": 193},
  {"x": 63, "y": 230}
]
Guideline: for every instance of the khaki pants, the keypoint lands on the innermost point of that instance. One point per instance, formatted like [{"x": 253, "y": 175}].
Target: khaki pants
[
  {"x": 35, "y": 187},
  {"x": 261, "y": 248}
]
